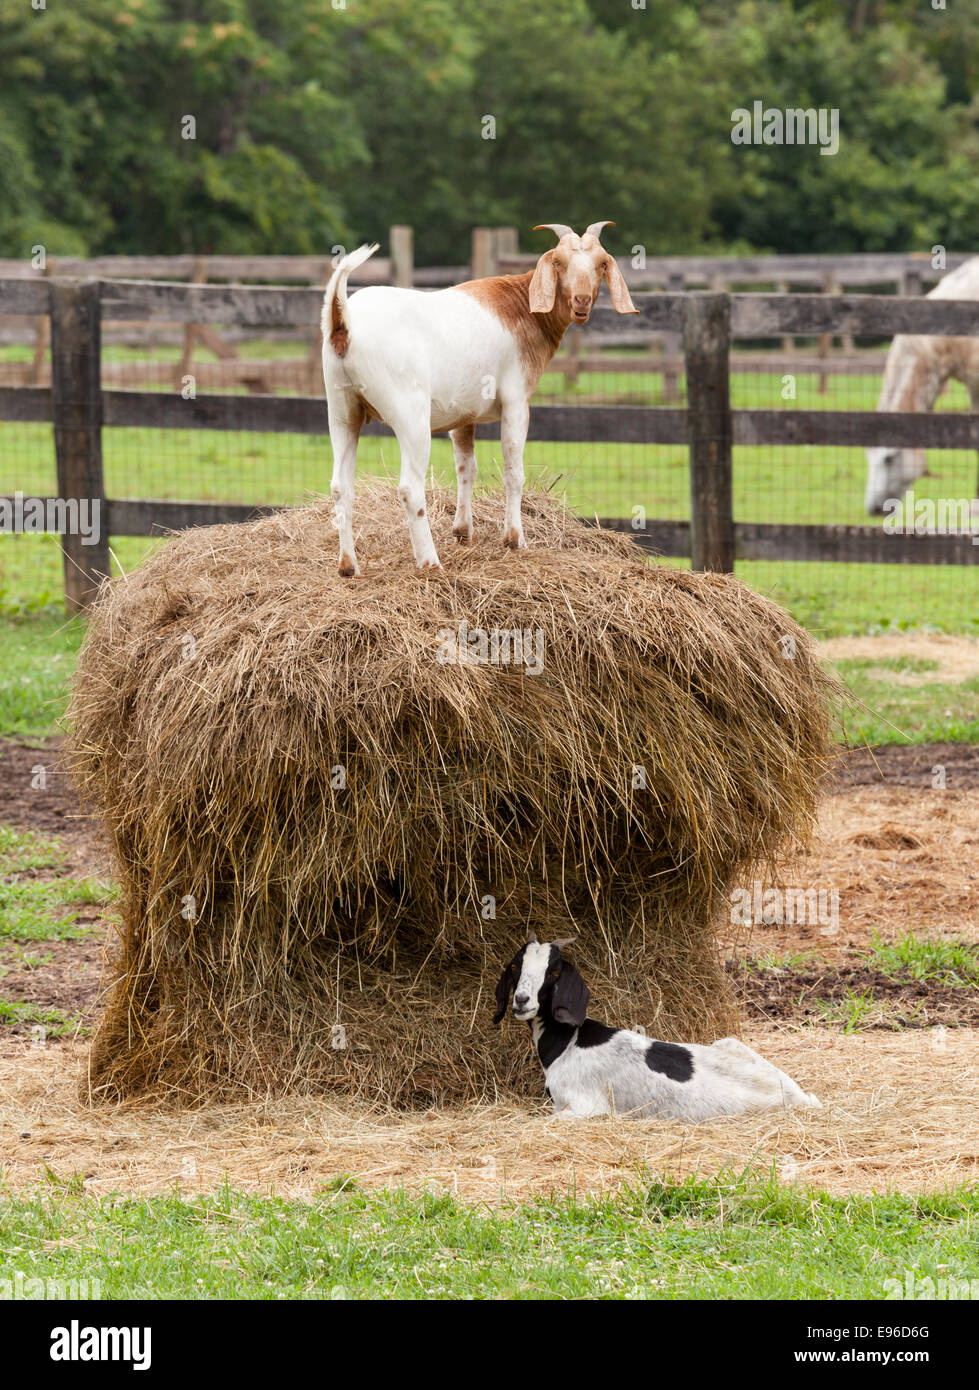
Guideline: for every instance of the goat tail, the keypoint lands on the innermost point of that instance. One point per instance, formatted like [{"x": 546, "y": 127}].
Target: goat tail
[{"x": 333, "y": 320}]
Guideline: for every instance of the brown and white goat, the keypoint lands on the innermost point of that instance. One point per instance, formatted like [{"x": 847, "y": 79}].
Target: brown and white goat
[{"x": 425, "y": 363}]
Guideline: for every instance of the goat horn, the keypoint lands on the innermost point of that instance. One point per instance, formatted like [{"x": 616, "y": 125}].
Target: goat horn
[
  {"x": 558, "y": 228},
  {"x": 595, "y": 229},
  {"x": 531, "y": 935}
]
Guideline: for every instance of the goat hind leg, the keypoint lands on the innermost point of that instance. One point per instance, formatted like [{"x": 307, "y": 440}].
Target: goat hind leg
[
  {"x": 415, "y": 443},
  {"x": 344, "y": 435},
  {"x": 464, "y": 453}
]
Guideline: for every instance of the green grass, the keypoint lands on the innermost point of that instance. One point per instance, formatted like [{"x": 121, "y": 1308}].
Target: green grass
[
  {"x": 37, "y": 658},
  {"x": 929, "y": 712},
  {"x": 41, "y": 909},
  {"x": 741, "y": 1238},
  {"x": 53, "y": 1021},
  {"x": 771, "y": 484},
  {"x": 36, "y": 911},
  {"x": 851, "y": 1012},
  {"x": 904, "y": 665},
  {"x": 954, "y": 963},
  {"x": 22, "y": 850}
]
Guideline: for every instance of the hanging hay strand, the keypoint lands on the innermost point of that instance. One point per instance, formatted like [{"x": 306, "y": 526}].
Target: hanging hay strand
[{"x": 334, "y": 815}]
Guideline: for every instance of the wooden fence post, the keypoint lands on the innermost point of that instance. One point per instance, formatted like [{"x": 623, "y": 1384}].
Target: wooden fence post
[
  {"x": 402, "y": 257},
  {"x": 676, "y": 284},
  {"x": 831, "y": 285},
  {"x": 76, "y": 399},
  {"x": 706, "y": 346},
  {"x": 911, "y": 281},
  {"x": 42, "y": 338},
  {"x": 482, "y": 256},
  {"x": 788, "y": 342},
  {"x": 506, "y": 243}
]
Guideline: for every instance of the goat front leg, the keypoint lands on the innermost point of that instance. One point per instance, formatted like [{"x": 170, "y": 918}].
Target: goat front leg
[
  {"x": 415, "y": 442},
  {"x": 513, "y": 436},
  {"x": 464, "y": 453},
  {"x": 344, "y": 434}
]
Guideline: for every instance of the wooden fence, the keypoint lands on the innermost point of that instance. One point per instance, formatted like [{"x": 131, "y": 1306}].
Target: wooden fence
[
  {"x": 492, "y": 250},
  {"x": 706, "y": 323}
]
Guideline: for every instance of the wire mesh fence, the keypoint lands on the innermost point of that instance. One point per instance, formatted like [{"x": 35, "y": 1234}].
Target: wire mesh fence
[{"x": 637, "y": 476}]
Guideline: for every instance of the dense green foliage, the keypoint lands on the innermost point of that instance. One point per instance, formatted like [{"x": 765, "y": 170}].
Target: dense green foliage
[{"x": 318, "y": 125}]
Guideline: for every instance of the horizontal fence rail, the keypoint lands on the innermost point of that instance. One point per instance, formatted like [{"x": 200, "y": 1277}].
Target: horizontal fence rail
[
  {"x": 80, "y": 409},
  {"x": 575, "y": 424},
  {"x": 493, "y": 250},
  {"x": 151, "y": 517},
  {"x": 756, "y": 540},
  {"x": 752, "y": 315},
  {"x": 861, "y": 268}
]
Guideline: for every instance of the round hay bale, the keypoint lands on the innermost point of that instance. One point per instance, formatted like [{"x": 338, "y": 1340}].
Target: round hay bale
[{"x": 334, "y": 815}]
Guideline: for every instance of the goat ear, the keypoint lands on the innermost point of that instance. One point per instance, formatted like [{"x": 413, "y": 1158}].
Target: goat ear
[
  {"x": 618, "y": 289},
  {"x": 504, "y": 988},
  {"x": 543, "y": 287},
  {"x": 569, "y": 1002}
]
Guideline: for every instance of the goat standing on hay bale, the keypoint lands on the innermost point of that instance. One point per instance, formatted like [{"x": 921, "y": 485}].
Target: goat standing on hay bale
[
  {"x": 424, "y": 363},
  {"x": 592, "y": 1069}
]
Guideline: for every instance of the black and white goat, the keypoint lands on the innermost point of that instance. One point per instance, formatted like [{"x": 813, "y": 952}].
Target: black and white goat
[{"x": 595, "y": 1070}]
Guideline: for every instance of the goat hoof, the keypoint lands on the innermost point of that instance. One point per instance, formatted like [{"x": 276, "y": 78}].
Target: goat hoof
[
  {"x": 347, "y": 568},
  {"x": 513, "y": 540},
  {"x": 463, "y": 534},
  {"x": 429, "y": 565}
]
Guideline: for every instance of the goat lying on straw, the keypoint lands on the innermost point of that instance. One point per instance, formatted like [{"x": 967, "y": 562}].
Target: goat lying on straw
[{"x": 595, "y": 1070}]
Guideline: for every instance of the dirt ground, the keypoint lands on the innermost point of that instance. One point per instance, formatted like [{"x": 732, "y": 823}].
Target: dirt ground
[{"x": 901, "y": 1099}]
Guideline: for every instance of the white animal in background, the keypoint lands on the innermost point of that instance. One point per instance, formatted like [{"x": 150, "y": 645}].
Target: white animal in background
[
  {"x": 917, "y": 368},
  {"x": 430, "y": 362},
  {"x": 591, "y": 1069}
]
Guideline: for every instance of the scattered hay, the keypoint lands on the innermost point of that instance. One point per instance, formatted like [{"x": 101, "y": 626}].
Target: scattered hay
[
  {"x": 956, "y": 658},
  {"x": 888, "y": 836},
  {"x": 900, "y": 1112},
  {"x": 314, "y": 818}
]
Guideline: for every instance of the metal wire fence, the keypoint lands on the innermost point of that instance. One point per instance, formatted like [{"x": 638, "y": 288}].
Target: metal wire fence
[{"x": 185, "y": 418}]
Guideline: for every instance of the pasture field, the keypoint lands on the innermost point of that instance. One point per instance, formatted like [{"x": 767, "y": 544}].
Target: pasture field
[
  {"x": 791, "y": 485},
  {"x": 320, "y": 1197},
  {"x": 326, "y": 1197},
  {"x": 731, "y": 1237}
]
